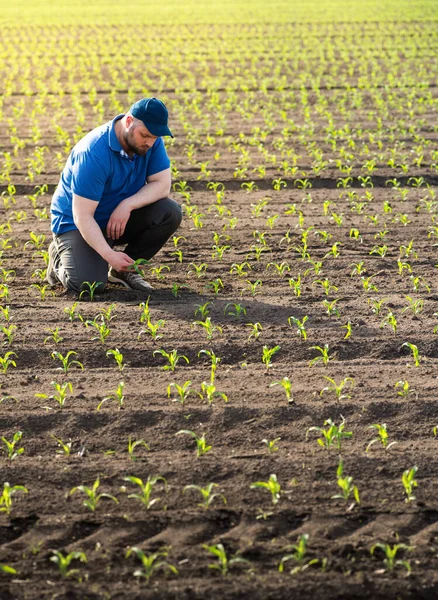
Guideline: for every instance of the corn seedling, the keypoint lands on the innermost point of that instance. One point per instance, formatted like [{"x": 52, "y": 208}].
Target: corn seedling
[
  {"x": 152, "y": 329},
  {"x": 267, "y": 355},
  {"x": 145, "y": 311},
  {"x": 299, "y": 552},
  {"x": 7, "y": 569},
  {"x": 209, "y": 328},
  {"x": 215, "y": 286},
  {"x": 224, "y": 563},
  {"x": 415, "y": 305},
  {"x": 271, "y": 445},
  {"x": 286, "y": 384},
  {"x": 6, "y": 497},
  {"x": 271, "y": 486},
  {"x": 54, "y": 336},
  {"x": 382, "y": 437},
  {"x": 66, "y": 361},
  {"x": 409, "y": 483},
  {"x": 300, "y": 325},
  {"x": 101, "y": 327},
  {"x": 118, "y": 357},
  {"x": 331, "y": 436},
  {"x": 61, "y": 392},
  {"x": 405, "y": 389},
  {"x": 415, "y": 354},
  {"x": 7, "y": 361},
  {"x": 117, "y": 396},
  {"x": 63, "y": 562},
  {"x": 198, "y": 270},
  {"x": 43, "y": 290},
  {"x": 256, "y": 330},
  {"x": 133, "y": 444},
  {"x": 151, "y": 563},
  {"x": 252, "y": 288},
  {"x": 91, "y": 289},
  {"x": 324, "y": 356},
  {"x": 346, "y": 485},
  {"x": 390, "y": 553},
  {"x": 331, "y": 308},
  {"x": 240, "y": 269},
  {"x": 206, "y": 493},
  {"x": 11, "y": 450},
  {"x": 70, "y": 311},
  {"x": 92, "y": 497},
  {"x": 203, "y": 309},
  {"x": 337, "y": 388},
  {"x": 209, "y": 392},
  {"x": 8, "y": 332},
  {"x": 376, "y": 305},
  {"x": 390, "y": 320},
  {"x": 172, "y": 357},
  {"x": 146, "y": 489},
  {"x": 201, "y": 444},
  {"x": 175, "y": 289},
  {"x": 64, "y": 447},
  {"x": 183, "y": 391},
  {"x": 234, "y": 309},
  {"x": 295, "y": 284}
]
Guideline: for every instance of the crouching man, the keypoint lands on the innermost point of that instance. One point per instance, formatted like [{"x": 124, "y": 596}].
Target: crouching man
[{"x": 113, "y": 191}]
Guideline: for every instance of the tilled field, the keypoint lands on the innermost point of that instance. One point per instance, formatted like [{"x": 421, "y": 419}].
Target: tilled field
[{"x": 305, "y": 257}]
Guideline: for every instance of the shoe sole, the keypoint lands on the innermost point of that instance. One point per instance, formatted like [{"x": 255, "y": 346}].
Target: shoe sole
[
  {"x": 114, "y": 279},
  {"x": 51, "y": 279}
]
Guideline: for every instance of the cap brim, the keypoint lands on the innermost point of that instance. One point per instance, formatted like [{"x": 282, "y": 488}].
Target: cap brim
[{"x": 159, "y": 130}]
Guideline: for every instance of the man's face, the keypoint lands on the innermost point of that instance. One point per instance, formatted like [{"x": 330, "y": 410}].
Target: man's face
[{"x": 137, "y": 137}]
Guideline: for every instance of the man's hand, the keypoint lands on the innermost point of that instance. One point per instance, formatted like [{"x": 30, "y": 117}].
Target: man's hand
[
  {"x": 120, "y": 261},
  {"x": 117, "y": 222}
]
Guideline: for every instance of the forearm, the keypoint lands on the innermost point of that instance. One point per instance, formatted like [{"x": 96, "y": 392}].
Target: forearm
[
  {"x": 148, "y": 194},
  {"x": 92, "y": 234}
]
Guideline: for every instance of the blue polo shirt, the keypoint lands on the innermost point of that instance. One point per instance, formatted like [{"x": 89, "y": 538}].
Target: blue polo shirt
[{"x": 99, "y": 169}]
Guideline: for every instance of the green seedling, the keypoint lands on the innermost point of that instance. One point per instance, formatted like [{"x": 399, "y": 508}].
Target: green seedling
[
  {"x": 65, "y": 447},
  {"x": 71, "y": 311},
  {"x": 43, "y": 290},
  {"x": 267, "y": 355},
  {"x": 405, "y": 389},
  {"x": 300, "y": 325},
  {"x": 198, "y": 270},
  {"x": 209, "y": 392},
  {"x": 295, "y": 284},
  {"x": 415, "y": 354},
  {"x": 10, "y": 447},
  {"x": 133, "y": 444},
  {"x": 7, "y": 361},
  {"x": 118, "y": 357},
  {"x": 271, "y": 486},
  {"x": 66, "y": 361},
  {"x": 346, "y": 485},
  {"x": 216, "y": 285},
  {"x": 137, "y": 266},
  {"x": 93, "y": 497},
  {"x": 281, "y": 268},
  {"x": 390, "y": 320},
  {"x": 256, "y": 330},
  {"x": 176, "y": 287},
  {"x": 241, "y": 269},
  {"x": 208, "y": 327},
  {"x": 158, "y": 271},
  {"x": 233, "y": 309},
  {"x": 173, "y": 358},
  {"x": 331, "y": 308},
  {"x": 151, "y": 563},
  {"x": 6, "y": 497},
  {"x": 183, "y": 391},
  {"x": 63, "y": 562},
  {"x": 215, "y": 360},
  {"x": 101, "y": 327},
  {"x": 324, "y": 356},
  {"x": 61, "y": 392},
  {"x": 252, "y": 288},
  {"x": 7, "y": 569},
  {"x": 8, "y": 332},
  {"x": 299, "y": 551},
  {"x": 206, "y": 493},
  {"x": 54, "y": 336},
  {"x": 390, "y": 553},
  {"x": 146, "y": 489},
  {"x": 409, "y": 483},
  {"x": 91, "y": 289},
  {"x": 152, "y": 329},
  {"x": 337, "y": 388},
  {"x": 286, "y": 384},
  {"x": 201, "y": 444},
  {"x": 331, "y": 436},
  {"x": 203, "y": 309},
  {"x": 117, "y": 396},
  {"x": 376, "y": 305},
  {"x": 382, "y": 437},
  {"x": 326, "y": 285},
  {"x": 107, "y": 313},
  {"x": 415, "y": 306},
  {"x": 5, "y": 313},
  {"x": 145, "y": 311},
  {"x": 271, "y": 445},
  {"x": 224, "y": 563}
]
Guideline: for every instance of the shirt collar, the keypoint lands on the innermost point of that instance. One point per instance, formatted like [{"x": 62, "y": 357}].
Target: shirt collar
[{"x": 114, "y": 143}]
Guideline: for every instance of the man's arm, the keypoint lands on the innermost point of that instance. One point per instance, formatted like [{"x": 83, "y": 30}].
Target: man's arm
[
  {"x": 83, "y": 216},
  {"x": 157, "y": 187}
]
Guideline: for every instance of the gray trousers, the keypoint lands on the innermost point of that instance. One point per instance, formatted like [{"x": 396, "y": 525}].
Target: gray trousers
[{"x": 147, "y": 230}]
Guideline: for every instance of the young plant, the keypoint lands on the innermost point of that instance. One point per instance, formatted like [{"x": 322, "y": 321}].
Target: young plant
[
  {"x": 118, "y": 357},
  {"x": 390, "y": 561},
  {"x": 415, "y": 354},
  {"x": 133, "y": 444},
  {"x": 224, "y": 563},
  {"x": 173, "y": 358},
  {"x": 323, "y": 357},
  {"x": 203, "y": 309},
  {"x": 409, "y": 483},
  {"x": 151, "y": 563},
  {"x": 382, "y": 437},
  {"x": 63, "y": 562},
  {"x": 61, "y": 392},
  {"x": 65, "y": 447},
  {"x": 92, "y": 496},
  {"x": 7, "y": 361},
  {"x": 286, "y": 384},
  {"x": 271, "y": 486},
  {"x": 6, "y": 497},
  {"x": 117, "y": 395},
  {"x": 331, "y": 436},
  {"x": 10, "y": 447},
  {"x": 91, "y": 289},
  {"x": 206, "y": 493},
  {"x": 66, "y": 361},
  {"x": 146, "y": 489},
  {"x": 300, "y": 325},
  {"x": 209, "y": 328},
  {"x": 346, "y": 485},
  {"x": 267, "y": 355},
  {"x": 71, "y": 311},
  {"x": 209, "y": 391},
  {"x": 298, "y": 555},
  {"x": 54, "y": 336},
  {"x": 271, "y": 445},
  {"x": 201, "y": 444},
  {"x": 152, "y": 329},
  {"x": 215, "y": 360},
  {"x": 183, "y": 391},
  {"x": 256, "y": 330},
  {"x": 337, "y": 388},
  {"x": 234, "y": 309}
]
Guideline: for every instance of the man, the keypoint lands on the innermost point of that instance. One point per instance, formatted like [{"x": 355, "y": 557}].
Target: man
[{"x": 113, "y": 190}]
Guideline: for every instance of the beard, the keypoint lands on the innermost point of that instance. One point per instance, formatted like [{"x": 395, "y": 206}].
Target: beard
[{"x": 128, "y": 138}]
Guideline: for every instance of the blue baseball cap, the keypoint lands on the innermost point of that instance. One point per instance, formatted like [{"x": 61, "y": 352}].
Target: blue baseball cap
[{"x": 154, "y": 115}]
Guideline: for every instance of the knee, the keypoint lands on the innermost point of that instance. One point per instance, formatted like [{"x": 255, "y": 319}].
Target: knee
[{"x": 173, "y": 212}]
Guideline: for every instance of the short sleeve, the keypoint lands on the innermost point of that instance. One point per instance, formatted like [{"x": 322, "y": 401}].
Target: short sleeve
[
  {"x": 89, "y": 175},
  {"x": 159, "y": 161}
]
